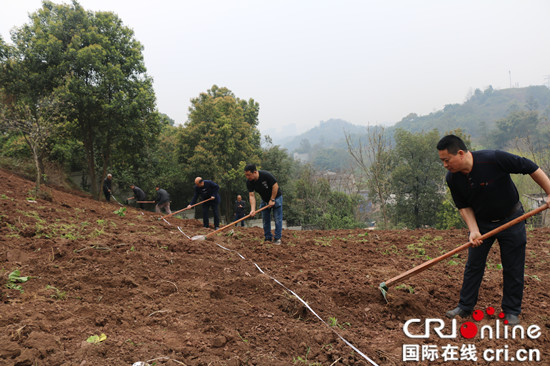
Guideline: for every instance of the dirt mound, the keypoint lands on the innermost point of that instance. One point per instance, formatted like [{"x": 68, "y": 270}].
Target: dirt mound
[{"x": 160, "y": 298}]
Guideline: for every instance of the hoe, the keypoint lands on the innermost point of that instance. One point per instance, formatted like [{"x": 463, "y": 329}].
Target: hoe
[
  {"x": 187, "y": 208},
  {"x": 203, "y": 237},
  {"x": 411, "y": 272}
]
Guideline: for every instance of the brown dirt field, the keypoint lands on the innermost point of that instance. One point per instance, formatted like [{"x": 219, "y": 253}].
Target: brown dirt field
[{"x": 166, "y": 300}]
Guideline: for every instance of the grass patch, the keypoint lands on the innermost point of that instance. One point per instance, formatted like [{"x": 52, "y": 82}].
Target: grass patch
[
  {"x": 406, "y": 288},
  {"x": 58, "y": 294}
]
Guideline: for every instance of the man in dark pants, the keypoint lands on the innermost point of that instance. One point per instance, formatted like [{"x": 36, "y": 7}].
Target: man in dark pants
[
  {"x": 139, "y": 195},
  {"x": 207, "y": 189},
  {"x": 486, "y": 198},
  {"x": 239, "y": 209},
  {"x": 107, "y": 187},
  {"x": 266, "y": 185},
  {"x": 162, "y": 201}
]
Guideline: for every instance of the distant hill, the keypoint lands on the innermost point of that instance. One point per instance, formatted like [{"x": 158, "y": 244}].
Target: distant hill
[
  {"x": 328, "y": 134},
  {"x": 476, "y": 116}
]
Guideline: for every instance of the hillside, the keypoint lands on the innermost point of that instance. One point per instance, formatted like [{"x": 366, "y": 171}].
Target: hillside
[
  {"x": 161, "y": 298},
  {"x": 476, "y": 116}
]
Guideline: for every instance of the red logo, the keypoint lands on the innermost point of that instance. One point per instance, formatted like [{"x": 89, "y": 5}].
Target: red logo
[{"x": 469, "y": 329}]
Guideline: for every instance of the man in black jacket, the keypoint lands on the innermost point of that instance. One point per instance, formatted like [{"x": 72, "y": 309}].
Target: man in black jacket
[
  {"x": 139, "y": 195},
  {"x": 486, "y": 198},
  {"x": 239, "y": 209},
  {"x": 162, "y": 201},
  {"x": 265, "y": 184},
  {"x": 107, "y": 187},
  {"x": 207, "y": 189}
]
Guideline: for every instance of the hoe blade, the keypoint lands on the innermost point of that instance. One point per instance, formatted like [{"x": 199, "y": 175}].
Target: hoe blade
[{"x": 384, "y": 289}]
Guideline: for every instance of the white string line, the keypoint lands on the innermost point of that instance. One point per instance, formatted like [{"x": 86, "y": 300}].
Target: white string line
[
  {"x": 309, "y": 308},
  {"x": 181, "y": 231},
  {"x": 299, "y": 298}
]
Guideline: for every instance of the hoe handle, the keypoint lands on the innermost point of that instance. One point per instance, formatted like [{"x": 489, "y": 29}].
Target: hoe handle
[
  {"x": 187, "y": 208},
  {"x": 145, "y": 201},
  {"x": 433, "y": 261},
  {"x": 234, "y": 222}
]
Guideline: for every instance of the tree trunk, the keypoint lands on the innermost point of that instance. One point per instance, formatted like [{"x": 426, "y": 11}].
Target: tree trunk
[
  {"x": 38, "y": 170},
  {"x": 89, "y": 148},
  {"x": 37, "y": 162},
  {"x": 227, "y": 206}
]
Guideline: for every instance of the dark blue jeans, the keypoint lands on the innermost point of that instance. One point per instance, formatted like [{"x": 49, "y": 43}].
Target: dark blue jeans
[
  {"x": 512, "y": 242},
  {"x": 278, "y": 216},
  {"x": 215, "y": 209},
  {"x": 239, "y": 215}
]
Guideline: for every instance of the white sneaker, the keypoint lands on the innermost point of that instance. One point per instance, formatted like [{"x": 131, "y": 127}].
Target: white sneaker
[{"x": 277, "y": 242}]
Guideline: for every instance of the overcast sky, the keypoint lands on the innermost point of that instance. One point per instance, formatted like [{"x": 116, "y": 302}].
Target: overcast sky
[{"x": 306, "y": 61}]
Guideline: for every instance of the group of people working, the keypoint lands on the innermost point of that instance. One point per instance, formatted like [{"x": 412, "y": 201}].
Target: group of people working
[
  {"x": 258, "y": 181},
  {"x": 481, "y": 188}
]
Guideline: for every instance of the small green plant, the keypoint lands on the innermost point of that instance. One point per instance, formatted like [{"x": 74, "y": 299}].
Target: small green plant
[
  {"x": 98, "y": 232},
  {"x": 333, "y": 322},
  {"x": 242, "y": 339},
  {"x": 121, "y": 212},
  {"x": 58, "y": 295},
  {"x": 324, "y": 242},
  {"x": 404, "y": 287},
  {"x": 418, "y": 248},
  {"x": 14, "y": 280},
  {"x": 393, "y": 249},
  {"x": 96, "y": 338},
  {"x": 129, "y": 341},
  {"x": 304, "y": 360}
]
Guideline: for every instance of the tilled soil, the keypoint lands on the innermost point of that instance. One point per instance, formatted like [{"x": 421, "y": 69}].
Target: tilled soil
[{"x": 160, "y": 298}]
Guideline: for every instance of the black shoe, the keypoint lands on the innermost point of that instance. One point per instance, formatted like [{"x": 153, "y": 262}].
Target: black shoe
[
  {"x": 268, "y": 240},
  {"x": 512, "y": 319},
  {"x": 458, "y": 311}
]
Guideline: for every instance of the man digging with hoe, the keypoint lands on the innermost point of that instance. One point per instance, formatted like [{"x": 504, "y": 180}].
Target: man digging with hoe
[{"x": 486, "y": 198}]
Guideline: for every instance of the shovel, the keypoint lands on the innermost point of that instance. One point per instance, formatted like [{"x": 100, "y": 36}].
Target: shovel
[
  {"x": 411, "y": 272},
  {"x": 202, "y": 237},
  {"x": 187, "y": 208}
]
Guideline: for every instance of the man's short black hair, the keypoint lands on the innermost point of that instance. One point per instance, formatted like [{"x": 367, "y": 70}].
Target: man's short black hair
[
  {"x": 250, "y": 168},
  {"x": 452, "y": 144}
]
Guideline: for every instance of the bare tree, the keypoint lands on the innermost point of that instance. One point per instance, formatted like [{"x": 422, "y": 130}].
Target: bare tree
[
  {"x": 35, "y": 123},
  {"x": 373, "y": 157}
]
